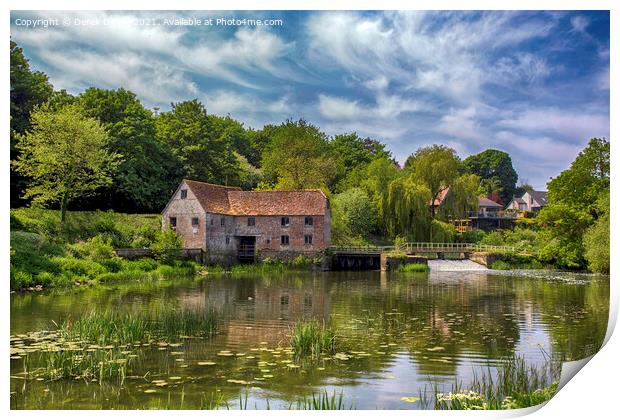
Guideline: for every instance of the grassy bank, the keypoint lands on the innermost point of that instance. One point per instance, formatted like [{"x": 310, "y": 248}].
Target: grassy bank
[{"x": 46, "y": 253}]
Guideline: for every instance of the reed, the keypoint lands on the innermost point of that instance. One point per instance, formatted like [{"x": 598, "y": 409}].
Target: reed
[
  {"x": 515, "y": 384},
  {"x": 311, "y": 339},
  {"x": 187, "y": 323},
  {"x": 321, "y": 401}
]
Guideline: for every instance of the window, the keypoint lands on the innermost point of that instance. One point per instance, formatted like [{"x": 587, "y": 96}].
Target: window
[
  {"x": 211, "y": 221},
  {"x": 308, "y": 239},
  {"x": 195, "y": 221},
  {"x": 284, "y": 300},
  {"x": 227, "y": 240},
  {"x": 173, "y": 222},
  {"x": 308, "y": 221},
  {"x": 222, "y": 222},
  {"x": 251, "y": 221},
  {"x": 183, "y": 194},
  {"x": 285, "y": 221},
  {"x": 284, "y": 239}
]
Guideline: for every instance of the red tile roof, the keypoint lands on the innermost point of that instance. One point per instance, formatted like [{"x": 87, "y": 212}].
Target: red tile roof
[
  {"x": 213, "y": 198},
  {"x": 233, "y": 201},
  {"x": 442, "y": 196}
]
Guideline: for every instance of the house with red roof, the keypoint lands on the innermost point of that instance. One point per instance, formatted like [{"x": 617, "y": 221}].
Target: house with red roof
[{"x": 226, "y": 221}]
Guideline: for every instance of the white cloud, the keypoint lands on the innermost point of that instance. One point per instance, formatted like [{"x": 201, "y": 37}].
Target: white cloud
[
  {"x": 579, "y": 23},
  {"x": 461, "y": 123},
  {"x": 576, "y": 125},
  {"x": 408, "y": 48},
  {"x": 387, "y": 106}
]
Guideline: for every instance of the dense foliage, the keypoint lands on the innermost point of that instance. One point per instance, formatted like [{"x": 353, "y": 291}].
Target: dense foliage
[
  {"x": 578, "y": 202},
  {"x": 494, "y": 167}
]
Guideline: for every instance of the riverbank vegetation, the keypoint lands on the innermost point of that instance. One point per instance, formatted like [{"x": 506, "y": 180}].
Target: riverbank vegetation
[
  {"x": 46, "y": 253},
  {"x": 513, "y": 384}
]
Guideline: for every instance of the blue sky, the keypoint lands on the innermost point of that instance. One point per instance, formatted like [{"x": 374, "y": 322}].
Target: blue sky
[{"x": 535, "y": 84}]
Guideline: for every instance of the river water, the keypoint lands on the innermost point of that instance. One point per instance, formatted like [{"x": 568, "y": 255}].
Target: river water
[{"x": 404, "y": 331}]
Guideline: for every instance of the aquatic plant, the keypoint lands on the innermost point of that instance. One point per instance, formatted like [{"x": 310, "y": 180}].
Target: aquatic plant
[
  {"x": 321, "y": 401},
  {"x": 413, "y": 267},
  {"x": 106, "y": 328},
  {"x": 515, "y": 384},
  {"x": 311, "y": 339},
  {"x": 186, "y": 322}
]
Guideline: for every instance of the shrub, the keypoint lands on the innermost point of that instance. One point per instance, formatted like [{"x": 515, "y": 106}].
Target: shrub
[
  {"x": 414, "y": 267},
  {"x": 473, "y": 236},
  {"x": 493, "y": 238}
]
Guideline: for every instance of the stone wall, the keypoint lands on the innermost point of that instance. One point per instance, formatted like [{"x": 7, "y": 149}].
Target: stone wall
[{"x": 184, "y": 209}]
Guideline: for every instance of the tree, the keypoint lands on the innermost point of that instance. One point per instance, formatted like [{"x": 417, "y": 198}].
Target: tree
[
  {"x": 187, "y": 131},
  {"x": 436, "y": 167},
  {"x": 522, "y": 189},
  {"x": 355, "y": 151},
  {"x": 358, "y": 212},
  {"x": 573, "y": 206},
  {"x": 297, "y": 157},
  {"x": 494, "y": 167},
  {"x": 65, "y": 156},
  {"x": 28, "y": 90},
  {"x": 147, "y": 174},
  {"x": 406, "y": 208},
  {"x": 596, "y": 239}
]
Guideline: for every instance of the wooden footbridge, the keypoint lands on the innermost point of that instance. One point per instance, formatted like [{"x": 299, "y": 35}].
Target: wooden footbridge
[
  {"x": 411, "y": 248},
  {"x": 373, "y": 257}
]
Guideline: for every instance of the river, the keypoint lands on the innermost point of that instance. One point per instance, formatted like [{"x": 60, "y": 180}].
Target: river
[{"x": 404, "y": 331}]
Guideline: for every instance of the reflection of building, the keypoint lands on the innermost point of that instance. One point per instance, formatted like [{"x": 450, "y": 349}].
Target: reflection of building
[{"x": 256, "y": 312}]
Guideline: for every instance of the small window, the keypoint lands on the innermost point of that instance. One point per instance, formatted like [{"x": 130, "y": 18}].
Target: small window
[
  {"x": 227, "y": 240},
  {"x": 222, "y": 222},
  {"x": 183, "y": 194},
  {"x": 308, "y": 221},
  {"x": 267, "y": 241},
  {"x": 211, "y": 222},
  {"x": 284, "y": 239},
  {"x": 285, "y": 221},
  {"x": 173, "y": 222},
  {"x": 251, "y": 221},
  {"x": 195, "y": 221},
  {"x": 284, "y": 300},
  {"x": 308, "y": 239}
]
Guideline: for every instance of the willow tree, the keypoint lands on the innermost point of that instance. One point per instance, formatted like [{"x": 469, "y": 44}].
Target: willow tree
[
  {"x": 462, "y": 197},
  {"x": 436, "y": 167},
  {"x": 406, "y": 208}
]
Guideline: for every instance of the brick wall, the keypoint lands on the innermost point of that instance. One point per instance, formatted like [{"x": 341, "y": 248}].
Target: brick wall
[
  {"x": 184, "y": 209},
  {"x": 269, "y": 230}
]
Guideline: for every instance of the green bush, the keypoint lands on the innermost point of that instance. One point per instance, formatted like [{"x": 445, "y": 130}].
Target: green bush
[
  {"x": 493, "y": 238},
  {"x": 473, "y": 236}
]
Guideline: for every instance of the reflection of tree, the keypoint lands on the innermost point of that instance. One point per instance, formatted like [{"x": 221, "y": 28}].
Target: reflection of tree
[{"x": 574, "y": 314}]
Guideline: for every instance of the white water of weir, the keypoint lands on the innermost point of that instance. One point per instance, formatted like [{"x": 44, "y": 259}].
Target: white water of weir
[{"x": 455, "y": 265}]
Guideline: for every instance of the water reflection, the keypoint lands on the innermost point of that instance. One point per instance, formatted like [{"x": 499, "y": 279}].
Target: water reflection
[{"x": 401, "y": 331}]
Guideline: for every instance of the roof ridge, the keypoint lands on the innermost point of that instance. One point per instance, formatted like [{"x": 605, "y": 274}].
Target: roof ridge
[{"x": 212, "y": 185}]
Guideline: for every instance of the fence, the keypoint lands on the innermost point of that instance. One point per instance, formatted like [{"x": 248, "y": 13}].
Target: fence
[{"x": 423, "y": 247}]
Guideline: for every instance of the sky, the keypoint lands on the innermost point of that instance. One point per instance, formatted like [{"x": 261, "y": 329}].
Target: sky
[{"x": 534, "y": 84}]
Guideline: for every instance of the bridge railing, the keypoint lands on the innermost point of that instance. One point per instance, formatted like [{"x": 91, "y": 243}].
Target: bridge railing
[
  {"x": 454, "y": 247},
  {"x": 424, "y": 247}
]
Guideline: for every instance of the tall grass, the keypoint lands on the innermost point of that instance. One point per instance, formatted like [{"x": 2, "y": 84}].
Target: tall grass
[
  {"x": 311, "y": 339},
  {"x": 112, "y": 328},
  {"x": 106, "y": 328},
  {"x": 186, "y": 323},
  {"x": 515, "y": 384},
  {"x": 321, "y": 401}
]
